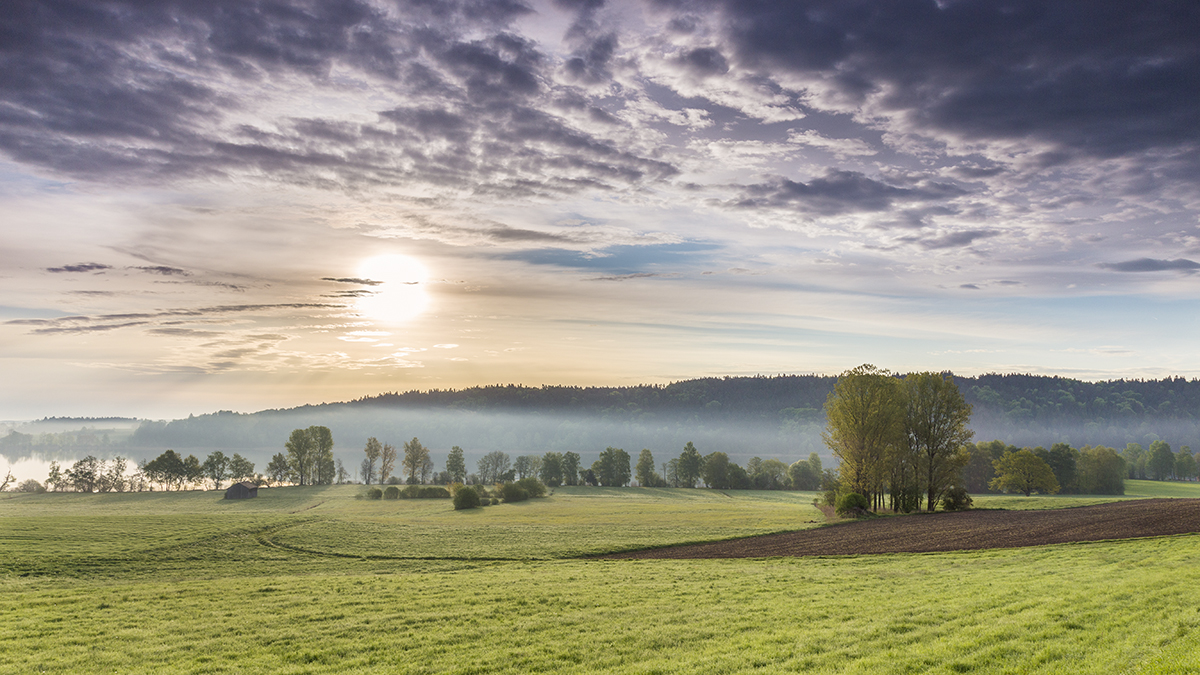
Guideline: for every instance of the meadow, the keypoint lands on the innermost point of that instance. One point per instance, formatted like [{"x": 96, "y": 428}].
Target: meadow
[{"x": 313, "y": 580}]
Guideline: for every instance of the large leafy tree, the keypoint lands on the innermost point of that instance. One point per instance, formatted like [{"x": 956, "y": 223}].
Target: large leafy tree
[
  {"x": 278, "y": 469},
  {"x": 936, "y": 418},
  {"x": 804, "y": 475},
  {"x": 193, "y": 471},
  {"x": 240, "y": 468},
  {"x": 864, "y": 420},
  {"x": 301, "y": 449},
  {"x": 1101, "y": 471},
  {"x": 86, "y": 474},
  {"x": 690, "y": 466},
  {"x": 216, "y": 468},
  {"x": 552, "y": 469},
  {"x": 646, "y": 476},
  {"x": 770, "y": 474},
  {"x": 323, "y": 468},
  {"x": 570, "y": 466},
  {"x": 1062, "y": 459},
  {"x": 1160, "y": 462},
  {"x": 716, "y": 471},
  {"x": 456, "y": 465},
  {"x": 415, "y": 457},
  {"x": 1022, "y": 471},
  {"x": 612, "y": 468},
  {"x": 168, "y": 469}
]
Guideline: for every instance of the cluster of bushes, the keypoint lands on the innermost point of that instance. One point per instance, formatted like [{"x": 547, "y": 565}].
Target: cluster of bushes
[
  {"x": 409, "y": 492},
  {"x": 854, "y": 505},
  {"x": 472, "y": 496}
]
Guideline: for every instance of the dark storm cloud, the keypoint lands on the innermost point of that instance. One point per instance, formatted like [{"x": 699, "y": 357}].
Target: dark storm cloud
[
  {"x": 836, "y": 193},
  {"x": 80, "y": 267},
  {"x": 1152, "y": 265},
  {"x": 136, "y": 91},
  {"x": 704, "y": 61},
  {"x": 1100, "y": 78}
]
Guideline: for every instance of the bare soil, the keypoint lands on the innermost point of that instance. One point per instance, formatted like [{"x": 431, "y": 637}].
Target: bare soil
[{"x": 963, "y": 531}]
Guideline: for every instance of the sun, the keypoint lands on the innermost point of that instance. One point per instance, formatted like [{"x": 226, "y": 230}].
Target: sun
[{"x": 399, "y": 294}]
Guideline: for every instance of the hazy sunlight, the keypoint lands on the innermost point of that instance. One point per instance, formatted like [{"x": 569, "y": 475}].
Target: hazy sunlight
[{"x": 400, "y": 295}]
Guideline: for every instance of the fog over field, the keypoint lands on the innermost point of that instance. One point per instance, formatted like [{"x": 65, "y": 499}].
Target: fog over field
[{"x": 771, "y": 417}]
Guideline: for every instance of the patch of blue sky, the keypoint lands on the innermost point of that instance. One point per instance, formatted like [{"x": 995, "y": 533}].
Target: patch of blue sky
[
  {"x": 7, "y": 312},
  {"x": 620, "y": 259}
]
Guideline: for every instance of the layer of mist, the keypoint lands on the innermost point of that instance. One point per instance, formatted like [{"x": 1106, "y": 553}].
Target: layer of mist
[{"x": 768, "y": 417}]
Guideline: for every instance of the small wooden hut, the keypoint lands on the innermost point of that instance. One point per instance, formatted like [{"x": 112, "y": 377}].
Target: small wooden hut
[{"x": 242, "y": 490}]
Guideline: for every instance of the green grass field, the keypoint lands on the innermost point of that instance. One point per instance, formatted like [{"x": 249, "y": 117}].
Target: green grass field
[{"x": 312, "y": 580}]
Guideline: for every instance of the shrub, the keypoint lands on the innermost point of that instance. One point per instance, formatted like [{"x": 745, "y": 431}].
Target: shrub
[
  {"x": 956, "y": 499},
  {"x": 31, "y": 485},
  {"x": 374, "y": 493},
  {"x": 410, "y": 492},
  {"x": 852, "y": 505},
  {"x": 532, "y": 486},
  {"x": 394, "y": 480},
  {"x": 511, "y": 492},
  {"x": 392, "y": 492},
  {"x": 433, "y": 492},
  {"x": 466, "y": 498}
]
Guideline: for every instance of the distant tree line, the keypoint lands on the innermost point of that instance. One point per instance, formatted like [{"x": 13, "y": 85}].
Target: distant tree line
[
  {"x": 1087, "y": 470},
  {"x": 1015, "y": 408}
]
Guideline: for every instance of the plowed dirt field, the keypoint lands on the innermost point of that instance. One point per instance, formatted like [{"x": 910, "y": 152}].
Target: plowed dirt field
[{"x": 968, "y": 530}]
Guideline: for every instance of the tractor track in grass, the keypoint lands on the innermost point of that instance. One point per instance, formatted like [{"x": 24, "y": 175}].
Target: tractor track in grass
[{"x": 962, "y": 531}]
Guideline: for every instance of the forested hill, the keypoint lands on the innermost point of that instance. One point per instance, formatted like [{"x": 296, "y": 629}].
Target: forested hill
[
  {"x": 1015, "y": 398},
  {"x": 743, "y": 416}
]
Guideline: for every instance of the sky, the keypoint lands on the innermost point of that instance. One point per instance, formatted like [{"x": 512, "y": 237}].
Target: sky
[{"x": 249, "y": 204}]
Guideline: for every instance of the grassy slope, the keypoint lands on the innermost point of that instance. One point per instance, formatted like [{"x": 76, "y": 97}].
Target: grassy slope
[{"x": 186, "y": 583}]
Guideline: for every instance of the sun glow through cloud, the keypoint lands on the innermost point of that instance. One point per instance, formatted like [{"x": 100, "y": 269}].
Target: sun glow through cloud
[{"x": 401, "y": 295}]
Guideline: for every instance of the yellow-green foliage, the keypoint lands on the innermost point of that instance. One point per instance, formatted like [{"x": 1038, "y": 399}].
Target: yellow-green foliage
[{"x": 111, "y": 583}]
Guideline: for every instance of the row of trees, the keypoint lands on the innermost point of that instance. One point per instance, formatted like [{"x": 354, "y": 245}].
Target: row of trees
[
  {"x": 611, "y": 468},
  {"x": 1087, "y": 470},
  {"x": 380, "y": 461},
  {"x": 1158, "y": 462},
  {"x": 168, "y": 471}
]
